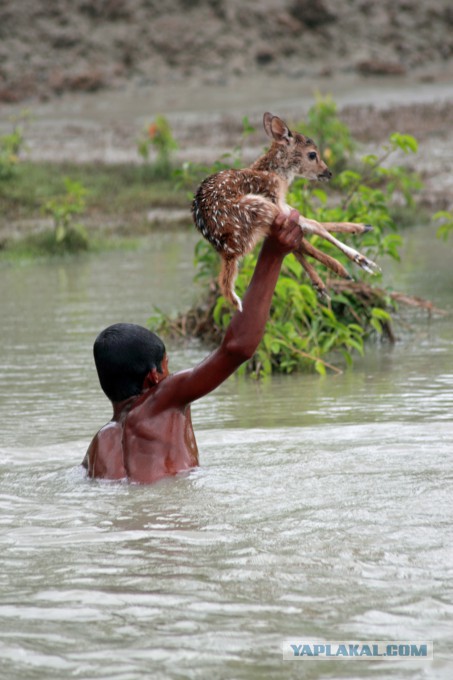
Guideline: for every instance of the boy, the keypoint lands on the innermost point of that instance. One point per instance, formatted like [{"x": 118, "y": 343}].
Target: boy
[{"x": 150, "y": 435}]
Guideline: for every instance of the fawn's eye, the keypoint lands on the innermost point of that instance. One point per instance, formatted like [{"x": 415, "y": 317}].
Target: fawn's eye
[{"x": 312, "y": 155}]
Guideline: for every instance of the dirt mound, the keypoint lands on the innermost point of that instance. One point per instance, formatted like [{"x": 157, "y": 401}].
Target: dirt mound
[{"x": 84, "y": 45}]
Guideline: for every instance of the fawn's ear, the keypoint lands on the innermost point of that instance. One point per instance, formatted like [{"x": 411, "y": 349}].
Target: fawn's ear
[{"x": 276, "y": 127}]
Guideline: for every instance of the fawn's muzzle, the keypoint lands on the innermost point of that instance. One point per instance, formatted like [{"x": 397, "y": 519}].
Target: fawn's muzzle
[{"x": 325, "y": 175}]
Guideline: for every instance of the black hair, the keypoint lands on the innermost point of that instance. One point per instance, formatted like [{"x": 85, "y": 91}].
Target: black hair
[{"x": 124, "y": 354}]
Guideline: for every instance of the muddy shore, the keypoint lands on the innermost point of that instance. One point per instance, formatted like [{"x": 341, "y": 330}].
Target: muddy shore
[
  {"x": 207, "y": 120},
  {"x": 53, "y": 48},
  {"x": 93, "y": 74}
]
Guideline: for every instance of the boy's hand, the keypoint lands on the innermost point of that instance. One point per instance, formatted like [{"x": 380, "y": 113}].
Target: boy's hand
[{"x": 285, "y": 233}]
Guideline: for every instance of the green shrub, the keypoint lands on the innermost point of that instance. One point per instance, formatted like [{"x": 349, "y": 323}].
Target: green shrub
[
  {"x": 10, "y": 146},
  {"x": 301, "y": 331},
  {"x": 331, "y": 135},
  {"x": 446, "y": 223},
  {"x": 67, "y": 235},
  {"x": 158, "y": 135},
  {"x": 190, "y": 174}
]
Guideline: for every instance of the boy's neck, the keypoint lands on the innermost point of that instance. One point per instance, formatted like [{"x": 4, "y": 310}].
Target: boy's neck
[{"x": 122, "y": 408}]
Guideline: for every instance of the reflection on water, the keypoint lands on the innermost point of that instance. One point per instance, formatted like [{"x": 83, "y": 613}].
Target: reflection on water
[{"x": 322, "y": 508}]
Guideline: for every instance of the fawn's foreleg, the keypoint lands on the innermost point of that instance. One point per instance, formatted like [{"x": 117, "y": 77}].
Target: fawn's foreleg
[
  {"x": 346, "y": 227},
  {"x": 313, "y": 227}
]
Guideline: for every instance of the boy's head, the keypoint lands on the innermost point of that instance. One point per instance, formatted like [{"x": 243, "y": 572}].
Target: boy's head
[{"x": 124, "y": 354}]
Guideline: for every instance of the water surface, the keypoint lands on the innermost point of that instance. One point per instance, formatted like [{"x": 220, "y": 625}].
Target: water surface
[{"x": 322, "y": 507}]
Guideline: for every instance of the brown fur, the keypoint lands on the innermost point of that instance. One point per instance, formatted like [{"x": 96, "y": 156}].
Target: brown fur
[{"x": 234, "y": 209}]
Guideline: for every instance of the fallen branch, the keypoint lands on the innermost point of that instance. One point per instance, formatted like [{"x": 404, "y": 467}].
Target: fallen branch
[{"x": 371, "y": 295}]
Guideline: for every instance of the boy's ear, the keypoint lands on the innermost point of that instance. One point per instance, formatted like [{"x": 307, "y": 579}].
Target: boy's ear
[{"x": 151, "y": 379}]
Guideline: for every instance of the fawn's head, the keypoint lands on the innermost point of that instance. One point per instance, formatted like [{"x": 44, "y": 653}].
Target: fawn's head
[{"x": 292, "y": 154}]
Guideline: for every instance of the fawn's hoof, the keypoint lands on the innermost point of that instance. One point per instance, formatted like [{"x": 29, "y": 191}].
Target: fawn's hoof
[
  {"x": 367, "y": 265},
  {"x": 237, "y": 302},
  {"x": 321, "y": 292}
]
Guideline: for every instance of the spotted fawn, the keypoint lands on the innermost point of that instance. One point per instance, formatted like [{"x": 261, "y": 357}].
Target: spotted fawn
[{"x": 234, "y": 209}]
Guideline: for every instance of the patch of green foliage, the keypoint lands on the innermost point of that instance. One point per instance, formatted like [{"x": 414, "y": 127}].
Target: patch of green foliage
[
  {"x": 302, "y": 332},
  {"x": 10, "y": 147},
  {"x": 446, "y": 223},
  {"x": 332, "y": 137},
  {"x": 190, "y": 174},
  {"x": 159, "y": 137},
  {"x": 122, "y": 193},
  {"x": 114, "y": 190},
  {"x": 68, "y": 235}
]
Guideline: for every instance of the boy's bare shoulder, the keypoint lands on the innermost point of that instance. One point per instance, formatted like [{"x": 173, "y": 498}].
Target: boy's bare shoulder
[{"x": 104, "y": 457}]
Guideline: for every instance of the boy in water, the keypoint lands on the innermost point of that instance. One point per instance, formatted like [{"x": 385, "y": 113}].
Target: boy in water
[{"x": 150, "y": 435}]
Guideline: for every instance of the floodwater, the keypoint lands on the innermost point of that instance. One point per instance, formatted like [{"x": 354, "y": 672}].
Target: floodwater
[{"x": 322, "y": 509}]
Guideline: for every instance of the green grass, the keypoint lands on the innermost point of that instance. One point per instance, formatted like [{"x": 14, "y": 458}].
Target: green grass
[
  {"x": 42, "y": 246},
  {"x": 117, "y": 190},
  {"x": 114, "y": 213}
]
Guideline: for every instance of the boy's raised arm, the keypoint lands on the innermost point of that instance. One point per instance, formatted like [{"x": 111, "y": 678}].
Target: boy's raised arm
[{"x": 246, "y": 328}]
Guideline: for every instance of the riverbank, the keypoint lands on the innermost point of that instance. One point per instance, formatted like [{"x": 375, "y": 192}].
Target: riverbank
[
  {"x": 93, "y": 137},
  {"x": 78, "y": 46},
  {"x": 120, "y": 199}
]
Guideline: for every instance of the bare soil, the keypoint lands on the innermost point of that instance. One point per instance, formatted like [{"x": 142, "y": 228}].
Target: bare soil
[
  {"x": 93, "y": 72},
  {"x": 49, "y": 48}
]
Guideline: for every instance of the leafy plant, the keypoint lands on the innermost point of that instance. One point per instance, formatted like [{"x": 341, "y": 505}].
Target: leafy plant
[
  {"x": 302, "y": 332},
  {"x": 10, "y": 146},
  {"x": 446, "y": 223},
  {"x": 366, "y": 194},
  {"x": 190, "y": 174},
  {"x": 63, "y": 208},
  {"x": 331, "y": 135},
  {"x": 158, "y": 136}
]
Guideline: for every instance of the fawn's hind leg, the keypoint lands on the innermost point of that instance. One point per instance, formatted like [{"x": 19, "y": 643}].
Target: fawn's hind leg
[
  {"x": 316, "y": 281},
  {"x": 249, "y": 221},
  {"x": 227, "y": 278},
  {"x": 325, "y": 259},
  {"x": 307, "y": 248}
]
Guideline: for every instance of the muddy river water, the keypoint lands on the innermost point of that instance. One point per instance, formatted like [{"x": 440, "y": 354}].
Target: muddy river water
[{"x": 322, "y": 509}]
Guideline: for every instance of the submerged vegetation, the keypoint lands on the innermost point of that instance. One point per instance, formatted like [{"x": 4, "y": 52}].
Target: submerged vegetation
[{"x": 302, "y": 333}]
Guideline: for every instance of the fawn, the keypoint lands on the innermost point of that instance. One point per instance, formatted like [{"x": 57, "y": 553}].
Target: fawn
[{"x": 233, "y": 209}]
